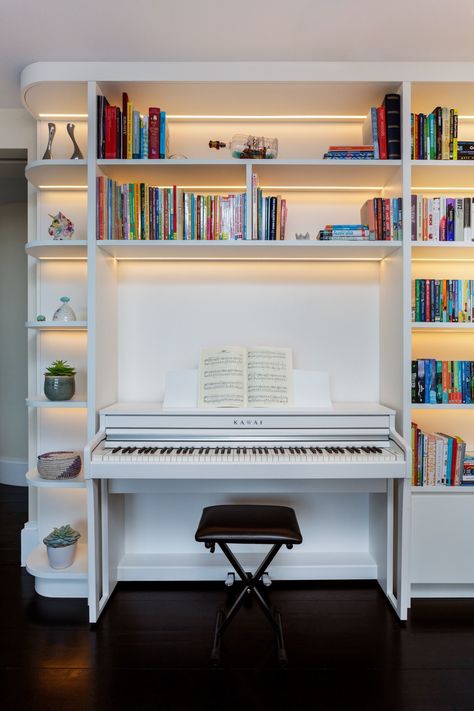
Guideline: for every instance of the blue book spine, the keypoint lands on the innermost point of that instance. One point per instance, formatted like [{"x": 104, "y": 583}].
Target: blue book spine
[
  {"x": 162, "y": 134},
  {"x": 136, "y": 134},
  {"x": 449, "y": 462},
  {"x": 259, "y": 213},
  {"x": 244, "y": 221},
  {"x": 375, "y": 132},
  {"x": 432, "y": 381}
]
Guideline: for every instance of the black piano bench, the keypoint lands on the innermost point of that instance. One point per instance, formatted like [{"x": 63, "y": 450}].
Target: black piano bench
[{"x": 245, "y": 523}]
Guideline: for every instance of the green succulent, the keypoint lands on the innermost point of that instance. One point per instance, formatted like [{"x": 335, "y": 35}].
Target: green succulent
[
  {"x": 61, "y": 537},
  {"x": 60, "y": 367}
]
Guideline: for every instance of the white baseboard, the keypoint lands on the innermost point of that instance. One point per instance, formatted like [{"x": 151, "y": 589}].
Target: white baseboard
[{"x": 13, "y": 471}]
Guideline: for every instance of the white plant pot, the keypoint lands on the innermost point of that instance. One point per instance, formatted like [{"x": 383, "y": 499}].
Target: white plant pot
[{"x": 61, "y": 557}]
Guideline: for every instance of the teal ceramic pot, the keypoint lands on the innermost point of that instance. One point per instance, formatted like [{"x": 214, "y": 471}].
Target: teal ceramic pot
[{"x": 59, "y": 387}]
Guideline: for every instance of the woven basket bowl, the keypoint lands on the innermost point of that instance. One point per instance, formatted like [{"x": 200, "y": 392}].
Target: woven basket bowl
[{"x": 59, "y": 465}]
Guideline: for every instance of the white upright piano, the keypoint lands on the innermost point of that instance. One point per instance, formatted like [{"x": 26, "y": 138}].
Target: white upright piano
[{"x": 149, "y": 471}]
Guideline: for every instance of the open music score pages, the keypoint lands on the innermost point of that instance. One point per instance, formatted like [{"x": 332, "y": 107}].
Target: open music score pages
[{"x": 259, "y": 376}]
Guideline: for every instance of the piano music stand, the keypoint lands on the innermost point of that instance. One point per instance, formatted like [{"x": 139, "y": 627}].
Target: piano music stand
[{"x": 243, "y": 523}]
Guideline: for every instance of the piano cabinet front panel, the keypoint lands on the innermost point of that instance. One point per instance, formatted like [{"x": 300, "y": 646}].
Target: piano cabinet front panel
[{"x": 157, "y": 531}]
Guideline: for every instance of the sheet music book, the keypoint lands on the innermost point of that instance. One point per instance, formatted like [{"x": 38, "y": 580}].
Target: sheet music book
[{"x": 258, "y": 376}]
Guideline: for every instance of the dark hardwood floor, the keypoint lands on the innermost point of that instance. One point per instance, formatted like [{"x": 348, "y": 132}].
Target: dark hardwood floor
[{"x": 150, "y": 650}]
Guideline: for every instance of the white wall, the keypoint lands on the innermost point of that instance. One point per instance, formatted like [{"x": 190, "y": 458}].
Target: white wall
[{"x": 17, "y": 131}]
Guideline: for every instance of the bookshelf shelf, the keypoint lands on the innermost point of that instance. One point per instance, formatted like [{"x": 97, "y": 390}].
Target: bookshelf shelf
[
  {"x": 57, "y": 325},
  {"x": 35, "y": 480},
  {"x": 450, "y": 490},
  {"x": 441, "y": 406},
  {"x": 61, "y": 174},
  {"x": 219, "y": 174},
  {"x": 447, "y": 327},
  {"x": 370, "y": 176},
  {"x": 442, "y": 251},
  {"x": 49, "y": 249},
  {"x": 41, "y": 401},
  {"x": 37, "y": 564},
  {"x": 249, "y": 250}
]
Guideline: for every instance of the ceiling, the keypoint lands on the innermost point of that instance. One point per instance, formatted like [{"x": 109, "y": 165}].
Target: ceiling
[{"x": 229, "y": 30}]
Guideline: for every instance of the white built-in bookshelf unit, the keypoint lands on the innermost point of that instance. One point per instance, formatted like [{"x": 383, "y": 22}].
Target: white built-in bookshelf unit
[{"x": 146, "y": 308}]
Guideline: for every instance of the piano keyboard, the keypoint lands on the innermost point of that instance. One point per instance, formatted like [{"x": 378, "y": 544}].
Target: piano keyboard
[{"x": 160, "y": 453}]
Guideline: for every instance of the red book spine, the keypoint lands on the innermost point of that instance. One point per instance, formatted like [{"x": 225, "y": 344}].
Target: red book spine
[
  {"x": 453, "y": 461},
  {"x": 153, "y": 132},
  {"x": 379, "y": 234},
  {"x": 110, "y": 125},
  {"x": 165, "y": 214},
  {"x": 100, "y": 208},
  {"x": 175, "y": 214},
  {"x": 382, "y": 129}
]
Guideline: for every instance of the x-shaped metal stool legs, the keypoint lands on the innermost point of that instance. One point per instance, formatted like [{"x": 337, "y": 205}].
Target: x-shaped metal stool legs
[{"x": 250, "y": 587}]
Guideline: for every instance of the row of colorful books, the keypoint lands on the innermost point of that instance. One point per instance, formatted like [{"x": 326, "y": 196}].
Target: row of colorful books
[
  {"x": 434, "y": 136},
  {"x": 443, "y": 300},
  {"x": 380, "y": 219},
  {"x": 442, "y": 219},
  {"x": 125, "y": 133},
  {"x": 381, "y": 129},
  {"x": 439, "y": 459},
  {"x": 384, "y": 218},
  {"x": 269, "y": 214},
  {"x": 136, "y": 211},
  {"x": 442, "y": 381}
]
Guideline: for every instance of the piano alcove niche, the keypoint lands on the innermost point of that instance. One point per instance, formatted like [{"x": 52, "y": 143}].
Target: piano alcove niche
[
  {"x": 330, "y": 314},
  {"x": 150, "y": 311}
]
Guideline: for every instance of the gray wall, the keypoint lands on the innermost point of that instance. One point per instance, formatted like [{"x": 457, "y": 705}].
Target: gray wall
[{"x": 13, "y": 337}]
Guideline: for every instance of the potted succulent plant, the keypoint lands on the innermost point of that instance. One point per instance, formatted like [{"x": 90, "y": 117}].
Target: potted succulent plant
[
  {"x": 61, "y": 546},
  {"x": 59, "y": 383}
]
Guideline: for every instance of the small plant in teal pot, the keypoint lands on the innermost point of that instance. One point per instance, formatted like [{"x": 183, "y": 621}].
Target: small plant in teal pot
[
  {"x": 61, "y": 546},
  {"x": 59, "y": 381}
]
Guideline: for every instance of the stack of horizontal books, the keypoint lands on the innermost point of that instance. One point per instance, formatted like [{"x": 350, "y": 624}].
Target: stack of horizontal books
[
  {"x": 344, "y": 232},
  {"x": 365, "y": 152}
]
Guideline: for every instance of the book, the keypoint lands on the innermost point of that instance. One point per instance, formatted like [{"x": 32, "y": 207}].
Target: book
[
  {"x": 391, "y": 104},
  {"x": 238, "y": 377},
  {"x": 154, "y": 132},
  {"x": 382, "y": 131}
]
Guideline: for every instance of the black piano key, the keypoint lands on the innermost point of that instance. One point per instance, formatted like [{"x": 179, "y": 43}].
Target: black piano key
[
  {"x": 265, "y": 449},
  {"x": 245, "y": 450},
  {"x": 116, "y": 449},
  {"x": 254, "y": 450},
  {"x": 292, "y": 450},
  {"x": 216, "y": 451},
  {"x": 282, "y": 451},
  {"x": 303, "y": 449},
  {"x": 163, "y": 450},
  {"x": 379, "y": 450},
  {"x": 238, "y": 450},
  {"x": 313, "y": 450},
  {"x": 297, "y": 450},
  {"x": 153, "y": 450},
  {"x": 179, "y": 450},
  {"x": 131, "y": 449},
  {"x": 207, "y": 450},
  {"x": 191, "y": 450},
  {"x": 275, "y": 449},
  {"x": 229, "y": 450},
  {"x": 185, "y": 450},
  {"x": 169, "y": 450}
]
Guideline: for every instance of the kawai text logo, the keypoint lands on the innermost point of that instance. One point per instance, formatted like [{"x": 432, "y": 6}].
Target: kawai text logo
[{"x": 248, "y": 423}]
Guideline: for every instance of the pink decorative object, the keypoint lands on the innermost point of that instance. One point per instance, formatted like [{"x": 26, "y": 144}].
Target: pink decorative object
[{"x": 61, "y": 227}]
